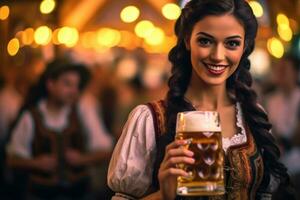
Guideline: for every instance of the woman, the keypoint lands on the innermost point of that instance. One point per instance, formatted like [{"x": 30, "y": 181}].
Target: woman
[{"x": 210, "y": 72}]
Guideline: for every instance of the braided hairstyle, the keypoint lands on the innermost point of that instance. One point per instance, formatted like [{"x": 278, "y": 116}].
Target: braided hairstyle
[{"x": 239, "y": 83}]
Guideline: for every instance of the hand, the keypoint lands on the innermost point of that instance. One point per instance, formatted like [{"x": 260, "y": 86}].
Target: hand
[
  {"x": 74, "y": 157},
  {"x": 46, "y": 162},
  {"x": 168, "y": 173}
]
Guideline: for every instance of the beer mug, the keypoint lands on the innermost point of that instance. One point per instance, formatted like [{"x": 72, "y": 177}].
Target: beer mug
[{"x": 202, "y": 131}]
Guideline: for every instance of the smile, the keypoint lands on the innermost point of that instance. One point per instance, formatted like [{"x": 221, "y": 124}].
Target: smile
[{"x": 215, "y": 69}]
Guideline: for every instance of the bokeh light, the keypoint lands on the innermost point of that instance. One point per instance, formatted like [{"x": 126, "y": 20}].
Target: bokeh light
[
  {"x": 4, "y": 12},
  {"x": 68, "y": 36},
  {"x": 257, "y": 8},
  {"x": 144, "y": 28},
  {"x": 275, "y": 47},
  {"x": 157, "y": 37},
  {"x": 42, "y": 35},
  {"x": 171, "y": 11},
  {"x": 47, "y": 6},
  {"x": 282, "y": 20},
  {"x": 129, "y": 14},
  {"x": 108, "y": 37},
  {"x": 27, "y": 36},
  {"x": 285, "y": 33},
  {"x": 13, "y": 46}
]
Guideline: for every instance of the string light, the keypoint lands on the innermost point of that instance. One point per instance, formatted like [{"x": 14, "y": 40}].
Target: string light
[
  {"x": 171, "y": 11},
  {"x": 275, "y": 47},
  {"x": 68, "y": 36},
  {"x": 129, "y": 14},
  {"x": 42, "y": 35},
  {"x": 13, "y": 47},
  {"x": 47, "y": 6},
  {"x": 144, "y": 28},
  {"x": 107, "y": 37},
  {"x": 4, "y": 12},
  {"x": 257, "y": 8}
]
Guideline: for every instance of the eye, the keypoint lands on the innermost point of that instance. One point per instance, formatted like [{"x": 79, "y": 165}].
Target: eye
[
  {"x": 204, "y": 41},
  {"x": 233, "y": 44}
]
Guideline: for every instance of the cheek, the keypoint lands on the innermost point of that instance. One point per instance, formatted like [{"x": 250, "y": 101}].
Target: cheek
[
  {"x": 235, "y": 57},
  {"x": 198, "y": 54}
]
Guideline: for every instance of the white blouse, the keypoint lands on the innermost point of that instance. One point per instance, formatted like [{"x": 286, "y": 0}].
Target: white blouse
[
  {"x": 131, "y": 166},
  {"x": 22, "y": 135}
]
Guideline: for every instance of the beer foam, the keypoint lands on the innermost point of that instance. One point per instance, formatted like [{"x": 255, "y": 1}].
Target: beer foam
[{"x": 193, "y": 121}]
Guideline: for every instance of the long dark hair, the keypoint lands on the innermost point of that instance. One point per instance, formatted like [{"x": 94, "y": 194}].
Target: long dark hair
[{"x": 239, "y": 83}]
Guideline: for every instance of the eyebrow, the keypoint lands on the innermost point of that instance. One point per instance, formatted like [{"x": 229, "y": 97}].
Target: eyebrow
[{"x": 210, "y": 36}]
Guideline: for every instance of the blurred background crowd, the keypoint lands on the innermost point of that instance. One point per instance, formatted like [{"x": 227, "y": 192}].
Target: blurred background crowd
[{"x": 77, "y": 68}]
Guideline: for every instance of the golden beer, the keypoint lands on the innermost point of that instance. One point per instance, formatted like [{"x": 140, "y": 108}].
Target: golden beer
[{"x": 203, "y": 132}]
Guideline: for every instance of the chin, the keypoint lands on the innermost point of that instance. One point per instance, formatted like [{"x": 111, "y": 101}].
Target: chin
[{"x": 215, "y": 82}]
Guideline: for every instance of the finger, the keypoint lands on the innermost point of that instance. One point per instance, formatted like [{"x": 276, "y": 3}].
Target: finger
[
  {"x": 179, "y": 152},
  {"x": 176, "y": 144},
  {"x": 173, "y": 172},
  {"x": 178, "y": 160}
]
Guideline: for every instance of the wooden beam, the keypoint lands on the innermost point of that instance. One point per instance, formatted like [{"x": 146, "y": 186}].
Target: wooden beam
[{"x": 82, "y": 13}]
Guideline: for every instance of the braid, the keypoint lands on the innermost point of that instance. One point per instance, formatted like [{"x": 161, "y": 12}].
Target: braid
[
  {"x": 238, "y": 84},
  {"x": 258, "y": 122},
  {"x": 178, "y": 83}
]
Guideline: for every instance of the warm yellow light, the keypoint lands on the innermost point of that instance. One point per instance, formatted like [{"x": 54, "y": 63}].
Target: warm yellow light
[
  {"x": 171, "y": 11},
  {"x": 107, "y": 37},
  {"x": 4, "y": 12},
  {"x": 68, "y": 36},
  {"x": 47, "y": 6},
  {"x": 282, "y": 20},
  {"x": 156, "y": 38},
  {"x": 285, "y": 33},
  {"x": 55, "y": 36},
  {"x": 88, "y": 39},
  {"x": 13, "y": 46},
  {"x": 164, "y": 47},
  {"x": 42, "y": 35},
  {"x": 257, "y": 8},
  {"x": 129, "y": 40},
  {"x": 144, "y": 28},
  {"x": 129, "y": 14},
  {"x": 27, "y": 36},
  {"x": 275, "y": 47}
]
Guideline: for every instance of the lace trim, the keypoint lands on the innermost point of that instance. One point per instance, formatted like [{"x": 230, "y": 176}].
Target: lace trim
[{"x": 240, "y": 137}]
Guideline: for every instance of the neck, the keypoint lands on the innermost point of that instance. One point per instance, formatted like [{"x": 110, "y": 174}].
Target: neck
[
  {"x": 207, "y": 97},
  {"x": 54, "y": 106}
]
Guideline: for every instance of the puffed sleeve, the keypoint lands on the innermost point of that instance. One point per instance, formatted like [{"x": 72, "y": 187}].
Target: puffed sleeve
[
  {"x": 22, "y": 135},
  {"x": 131, "y": 166}
]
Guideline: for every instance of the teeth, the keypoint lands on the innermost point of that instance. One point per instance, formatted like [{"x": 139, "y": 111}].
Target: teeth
[{"x": 215, "y": 67}]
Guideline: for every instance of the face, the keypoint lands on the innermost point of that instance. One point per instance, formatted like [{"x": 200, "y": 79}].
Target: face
[
  {"x": 216, "y": 45},
  {"x": 64, "y": 89}
]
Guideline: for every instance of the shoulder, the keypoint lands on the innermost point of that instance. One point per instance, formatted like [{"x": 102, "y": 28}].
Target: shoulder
[
  {"x": 26, "y": 117},
  {"x": 154, "y": 110}
]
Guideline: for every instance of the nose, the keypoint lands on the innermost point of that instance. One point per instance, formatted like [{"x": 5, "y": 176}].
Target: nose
[{"x": 217, "y": 53}]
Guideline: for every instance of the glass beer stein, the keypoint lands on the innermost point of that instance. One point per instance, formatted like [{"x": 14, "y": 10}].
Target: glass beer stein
[{"x": 202, "y": 130}]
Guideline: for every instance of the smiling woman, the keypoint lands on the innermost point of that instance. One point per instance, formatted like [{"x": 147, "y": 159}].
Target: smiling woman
[
  {"x": 216, "y": 46},
  {"x": 210, "y": 72}
]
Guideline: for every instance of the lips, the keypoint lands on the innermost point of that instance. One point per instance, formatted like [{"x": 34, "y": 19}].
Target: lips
[{"x": 215, "y": 69}]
